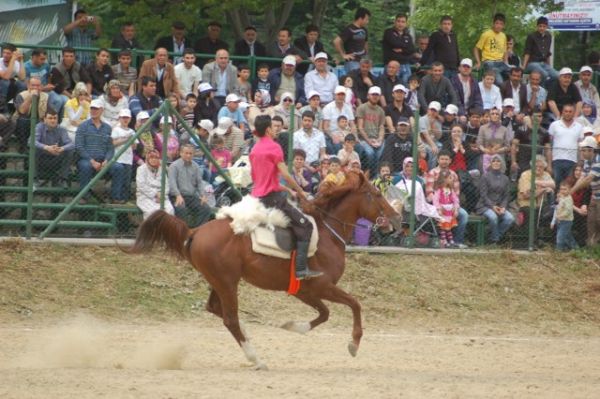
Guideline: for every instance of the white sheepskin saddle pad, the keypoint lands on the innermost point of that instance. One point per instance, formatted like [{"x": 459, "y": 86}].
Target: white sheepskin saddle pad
[{"x": 250, "y": 216}]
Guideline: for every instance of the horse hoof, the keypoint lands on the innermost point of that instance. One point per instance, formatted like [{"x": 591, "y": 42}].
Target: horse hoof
[
  {"x": 261, "y": 367},
  {"x": 300, "y": 327},
  {"x": 353, "y": 349}
]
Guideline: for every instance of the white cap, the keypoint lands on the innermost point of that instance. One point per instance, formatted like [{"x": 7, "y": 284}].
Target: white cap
[
  {"x": 243, "y": 106},
  {"x": 589, "y": 142},
  {"x": 374, "y": 90},
  {"x": 565, "y": 71},
  {"x": 508, "y": 102},
  {"x": 588, "y": 130},
  {"x": 467, "y": 61},
  {"x": 232, "y": 98},
  {"x": 289, "y": 60},
  {"x": 340, "y": 90},
  {"x": 97, "y": 103},
  {"x": 313, "y": 93},
  {"x": 435, "y": 105},
  {"x": 225, "y": 123},
  {"x": 400, "y": 88},
  {"x": 586, "y": 68},
  {"x": 125, "y": 113},
  {"x": 321, "y": 55},
  {"x": 451, "y": 109},
  {"x": 206, "y": 124},
  {"x": 202, "y": 87},
  {"x": 168, "y": 120},
  {"x": 403, "y": 120},
  {"x": 142, "y": 115}
]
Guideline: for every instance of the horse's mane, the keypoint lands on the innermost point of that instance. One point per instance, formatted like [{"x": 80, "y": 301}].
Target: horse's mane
[{"x": 331, "y": 195}]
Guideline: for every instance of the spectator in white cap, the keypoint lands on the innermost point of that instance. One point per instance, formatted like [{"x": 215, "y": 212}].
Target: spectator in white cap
[
  {"x": 430, "y": 131},
  {"x": 450, "y": 119},
  {"x": 120, "y": 135},
  {"x": 587, "y": 90},
  {"x": 314, "y": 106},
  {"x": 331, "y": 113},
  {"x": 397, "y": 108},
  {"x": 467, "y": 89},
  {"x": 563, "y": 92},
  {"x": 310, "y": 45},
  {"x": 321, "y": 79},
  {"x": 387, "y": 81},
  {"x": 232, "y": 110},
  {"x": 370, "y": 121},
  {"x": 591, "y": 179},
  {"x": 436, "y": 87},
  {"x": 514, "y": 89},
  {"x": 286, "y": 79},
  {"x": 232, "y": 135},
  {"x": 587, "y": 148},
  {"x": 285, "y": 108},
  {"x": 206, "y": 107}
]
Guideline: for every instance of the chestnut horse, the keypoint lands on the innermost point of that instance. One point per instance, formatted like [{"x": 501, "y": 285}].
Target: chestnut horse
[{"x": 224, "y": 258}]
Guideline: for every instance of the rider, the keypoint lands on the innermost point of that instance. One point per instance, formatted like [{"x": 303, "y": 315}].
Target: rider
[{"x": 267, "y": 163}]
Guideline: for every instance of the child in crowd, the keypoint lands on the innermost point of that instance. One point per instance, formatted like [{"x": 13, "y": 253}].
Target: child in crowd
[
  {"x": 335, "y": 177},
  {"x": 343, "y": 129},
  {"x": 187, "y": 112},
  {"x": 243, "y": 88},
  {"x": 348, "y": 82},
  {"x": 447, "y": 203},
  {"x": 319, "y": 170},
  {"x": 300, "y": 172},
  {"x": 120, "y": 135},
  {"x": 262, "y": 83},
  {"x": 412, "y": 98},
  {"x": 563, "y": 219},
  {"x": 221, "y": 154},
  {"x": 384, "y": 180},
  {"x": 347, "y": 154},
  {"x": 173, "y": 140}
]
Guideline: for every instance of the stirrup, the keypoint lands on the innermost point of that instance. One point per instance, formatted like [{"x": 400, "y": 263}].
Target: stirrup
[{"x": 308, "y": 274}]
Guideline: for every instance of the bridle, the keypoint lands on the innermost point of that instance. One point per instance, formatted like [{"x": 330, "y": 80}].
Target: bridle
[{"x": 381, "y": 220}]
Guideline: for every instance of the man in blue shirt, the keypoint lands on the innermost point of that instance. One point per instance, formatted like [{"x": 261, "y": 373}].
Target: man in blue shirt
[
  {"x": 38, "y": 67},
  {"x": 232, "y": 110},
  {"x": 54, "y": 150}
]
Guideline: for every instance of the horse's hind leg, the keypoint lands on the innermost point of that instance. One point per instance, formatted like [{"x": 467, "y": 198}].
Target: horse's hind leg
[
  {"x": 335, "y": 294},
  {"x": 303, "y": 327},
  {"x": 229, "y": 307}
]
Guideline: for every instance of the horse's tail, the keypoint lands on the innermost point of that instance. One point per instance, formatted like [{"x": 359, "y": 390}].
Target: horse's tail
[{"x": 162, "y": 228}]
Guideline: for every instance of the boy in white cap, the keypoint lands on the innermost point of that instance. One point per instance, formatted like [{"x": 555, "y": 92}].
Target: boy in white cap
[
  {"x": 120, "y": 135},
  {"x": 233, "y": 137},
  {"x": 231, "y": 109},
  {"x": 371, "y": 128}
]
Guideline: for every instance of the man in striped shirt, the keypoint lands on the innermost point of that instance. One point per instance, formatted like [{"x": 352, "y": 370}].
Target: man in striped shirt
[{"x": 592, "y": 179}]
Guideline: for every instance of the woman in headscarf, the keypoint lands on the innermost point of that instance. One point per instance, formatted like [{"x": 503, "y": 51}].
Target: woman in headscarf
[
  {"x": 114, "y": 101},
  {"x": 589, "y": 116},
  {"x": 422, "y": 207},
  {"x": 494, "y": 194},
  {"x": 148, "y": 182},
  {"x": 77, "y": 109},
  {"x": 260, "y": 106},
  {"x": 493, "y": 139},
  {"x": 285, "y": 108}
]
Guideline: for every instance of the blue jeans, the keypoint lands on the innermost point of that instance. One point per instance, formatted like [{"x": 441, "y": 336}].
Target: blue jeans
[
  {"x": 564, "y": 236},
  {"x": 404, "y": 74},
  {"x": 193, "y": 211},
  {"x": 121, "y": 181},
  {"x": 546, "y": 70},
  {"x": 57, "y": 102},
  {"x": 499, "y": 224},
  {"x": 459, "y": 231},
  {"x": 562, "y": 169},
  {"x": 331, "y": 147},
  {"x": 450, "y": 73},
  {"x": 118, "y": 174},
  {"x": 349, "y": 66},
  {"x": 372, "y": 156},
  {"x": 499, "y": 67},
  {"x": 5, "y": 84}
]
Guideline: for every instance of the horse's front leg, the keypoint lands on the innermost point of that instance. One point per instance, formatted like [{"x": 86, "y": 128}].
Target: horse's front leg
[
  {"x": 303, "y": 327},
  {"x": 336, "y": 294},
  {"x": 229, "y": 307}
]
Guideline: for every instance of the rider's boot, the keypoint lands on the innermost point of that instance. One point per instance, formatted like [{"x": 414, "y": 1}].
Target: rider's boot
[{"x": 302, "y": 270}]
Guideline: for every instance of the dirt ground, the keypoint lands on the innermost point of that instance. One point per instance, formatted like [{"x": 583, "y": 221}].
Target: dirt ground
[{"x": 83, "y": 357}]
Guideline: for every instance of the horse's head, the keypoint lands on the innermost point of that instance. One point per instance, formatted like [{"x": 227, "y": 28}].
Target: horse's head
[{"x": 374, "y": 206}]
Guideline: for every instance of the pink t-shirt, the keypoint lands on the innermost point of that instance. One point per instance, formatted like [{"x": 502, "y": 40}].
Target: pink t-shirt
[
  {"x": 264, "y": 157},
  {"x": 223, "y": 157}
]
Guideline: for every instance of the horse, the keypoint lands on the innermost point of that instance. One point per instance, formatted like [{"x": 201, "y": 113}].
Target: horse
[{"x": 224, "y": 258}]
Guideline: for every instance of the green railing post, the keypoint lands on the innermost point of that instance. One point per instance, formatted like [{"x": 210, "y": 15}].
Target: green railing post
[
  {"x": 165, "y": 159},
  {"x": 33, "y": 112},
  {"x": 532, "y": 190},
  {"x": 413, "y": 182},
  {"x": 290, "y": 144},
  {"x": 102, "y": 172},
  {"x": 205, "y": 150}
]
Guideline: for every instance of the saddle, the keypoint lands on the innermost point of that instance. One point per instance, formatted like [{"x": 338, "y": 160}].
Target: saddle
[{"x": 267, "y": 227}]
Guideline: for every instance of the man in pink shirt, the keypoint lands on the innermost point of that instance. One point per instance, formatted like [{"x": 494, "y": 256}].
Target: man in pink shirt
[{"x": 267, "y": 163}]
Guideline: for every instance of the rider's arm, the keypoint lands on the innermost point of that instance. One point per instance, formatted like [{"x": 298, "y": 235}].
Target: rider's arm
[{"x": 283, "y": 170}]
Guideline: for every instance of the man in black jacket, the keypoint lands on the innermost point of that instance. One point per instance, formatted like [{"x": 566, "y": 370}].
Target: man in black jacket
[
  {"x": 175, "y": 43},
  {"x": 249, "y": 45},
  {"x": 398, "y": 46},
  {"x": 210, "y": 44},
  {"x": 443, "y": 47},
  {"x": 310, "y": 45}
]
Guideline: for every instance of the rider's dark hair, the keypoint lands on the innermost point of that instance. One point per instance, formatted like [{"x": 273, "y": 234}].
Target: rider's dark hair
[{"x": 261, "y": 124}]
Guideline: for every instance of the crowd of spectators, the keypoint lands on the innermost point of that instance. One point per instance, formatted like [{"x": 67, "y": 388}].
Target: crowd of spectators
[{"x": 473, "y": 136}]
